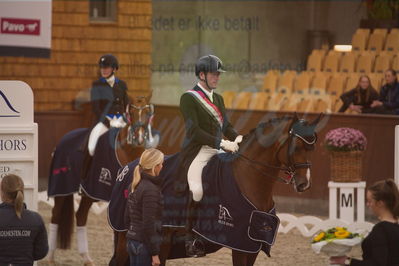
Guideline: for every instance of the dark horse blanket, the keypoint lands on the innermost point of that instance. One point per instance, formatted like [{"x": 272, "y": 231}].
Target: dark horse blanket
[
  {"x": 66, "y": 166},
  {"x": 225, "y": 216}
]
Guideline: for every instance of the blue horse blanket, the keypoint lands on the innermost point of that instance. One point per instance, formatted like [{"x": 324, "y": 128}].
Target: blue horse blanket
[
  {"x": 225, "y": 216},
  {"x": 66, "y": 166}
]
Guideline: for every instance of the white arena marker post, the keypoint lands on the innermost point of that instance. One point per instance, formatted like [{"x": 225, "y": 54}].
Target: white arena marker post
[
  {"x": 396, "y": 159},
  {"x": 19, "y": 137}
]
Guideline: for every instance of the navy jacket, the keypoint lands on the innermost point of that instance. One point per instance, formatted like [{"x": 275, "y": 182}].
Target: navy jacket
[
  {"x": 389, "y": 96},
  {"x": 24, "y": 240},
  {"x": 143, "y": 213},
  {"x": 381, "y": 246},
  {"x": 106, "y": 100}
]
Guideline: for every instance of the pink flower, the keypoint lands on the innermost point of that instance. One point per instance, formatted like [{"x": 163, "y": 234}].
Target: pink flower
[{"x": 345, "y": 139}]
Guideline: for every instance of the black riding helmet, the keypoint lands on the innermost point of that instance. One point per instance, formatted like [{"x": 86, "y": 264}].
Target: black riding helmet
[
  {"x": 108, "y": 60},
  {"x": 208, "y": 63}
]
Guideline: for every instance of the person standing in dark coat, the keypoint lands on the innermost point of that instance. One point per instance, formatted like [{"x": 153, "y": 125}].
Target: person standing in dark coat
[
  {"x": 143, "y": 212},
  {"x": 206, "y": 124},
  {"x": 23, "y": 236},
  {"x": 381, "y": 246},
  {"x": 360, "y": 98},
  {"x": 388, "y": 103}
]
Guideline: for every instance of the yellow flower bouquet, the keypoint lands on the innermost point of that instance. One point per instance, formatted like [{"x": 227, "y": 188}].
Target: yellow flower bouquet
[{"x": 336, "y": 241}]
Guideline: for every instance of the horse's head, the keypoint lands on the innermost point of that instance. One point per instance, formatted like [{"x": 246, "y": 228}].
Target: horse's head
[
  {"x": 140, "y": 114},
  {"x": 294, "y": 151},
  {"x": 289, "y": 146}
]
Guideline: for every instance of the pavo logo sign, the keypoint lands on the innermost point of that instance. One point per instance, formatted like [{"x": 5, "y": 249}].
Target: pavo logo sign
[{"x": 6, "y": 107}]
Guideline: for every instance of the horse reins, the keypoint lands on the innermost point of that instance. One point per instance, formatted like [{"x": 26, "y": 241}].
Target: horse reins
[{"x": 290, "y": 170}]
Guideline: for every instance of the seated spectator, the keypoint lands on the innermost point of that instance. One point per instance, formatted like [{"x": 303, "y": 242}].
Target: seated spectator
[
  {"x": 388, "y": 103},
  {"x": 23, "y": 236},
  {"x": 360, "y": 98}
]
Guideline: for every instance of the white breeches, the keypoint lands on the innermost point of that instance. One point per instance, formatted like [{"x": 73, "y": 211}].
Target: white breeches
[
  {"x": 95, "y": 134},
  {"x": 194, "y": 175}
]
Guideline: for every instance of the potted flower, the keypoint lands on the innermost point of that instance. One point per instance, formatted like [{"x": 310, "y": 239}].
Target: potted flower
[
  {"x": 346, "y": 146},
  {"x": 335, "y": 242}
]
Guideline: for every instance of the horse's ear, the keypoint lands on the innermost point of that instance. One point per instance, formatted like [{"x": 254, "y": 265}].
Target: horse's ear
[
  {"x": 148, "y": 98},
  {"x": 317, "y": 120}
]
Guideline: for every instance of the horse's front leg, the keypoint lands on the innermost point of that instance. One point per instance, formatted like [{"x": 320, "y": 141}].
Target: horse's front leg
[
  {"x": 81, "y": 229},
  {"x": 166, "y": 245},
  {"x": 243, "y": 259}
]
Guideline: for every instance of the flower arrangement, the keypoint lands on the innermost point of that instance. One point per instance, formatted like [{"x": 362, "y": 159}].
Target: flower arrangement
[
  {"x": 336, "y": 241},
  {"x": 345, "y": 139},
  {"x": 334, "y": 233}
]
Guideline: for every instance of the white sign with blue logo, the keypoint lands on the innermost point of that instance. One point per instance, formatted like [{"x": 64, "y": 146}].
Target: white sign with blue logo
[{"x": 18, "y": 137}]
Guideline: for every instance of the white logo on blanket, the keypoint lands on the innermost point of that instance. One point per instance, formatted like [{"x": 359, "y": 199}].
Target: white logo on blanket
[
  {"x": 225, "y": 217},
  {"x": 122, "y": 174},
  {"x": 105, "y": 176}
]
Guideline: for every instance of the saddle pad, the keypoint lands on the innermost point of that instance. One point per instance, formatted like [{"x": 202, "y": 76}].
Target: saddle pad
[
  {"x": 64, "y": 176},
  {"x": 103, "y": 169},
  {"x": 226, "y": 217}
]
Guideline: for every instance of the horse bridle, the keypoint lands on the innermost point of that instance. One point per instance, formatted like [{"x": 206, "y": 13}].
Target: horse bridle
[
  {"x": 291, "y": 167},
  {"x": 140, "y": 122}
]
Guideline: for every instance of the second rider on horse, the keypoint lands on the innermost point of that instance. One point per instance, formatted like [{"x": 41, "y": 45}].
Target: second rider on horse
[{"x": 206, "y": 123}]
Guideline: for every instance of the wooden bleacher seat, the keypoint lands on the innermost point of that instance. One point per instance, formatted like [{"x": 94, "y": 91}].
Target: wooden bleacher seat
[
  {"x": 359, "y": 42},
  {"x": 331, "y": 62},
  {"x": 363, "y": 31},
  {"x": 228, "y": 97},
  {"x": 286, "y": 82},
  {"x": 348, "y": 62},
  {"x": 322, "y": 105},
  {"x": 382, "y": 62},
  {"x": 395, "y": 62},
  {"x": 392, "y": 43},
  {"x": 259, "y": 101},
  {"x": 302, "y": 83},
  {"x": 365, "y": 62},
  {"x": 318, "y": 84},
  {"x": 376, "y": 42},
  {"x": 375, "y": 79},
  {"x": 315, "y": 61},
  {"x": 278, "y": 102},
  {"x": 270, "y": 81},
  {"x": 336, "y": 84},
  {"x": 382, "y": 31},
  {"x": 241, "y": 101},
  {"x": 352, "y": 81}
]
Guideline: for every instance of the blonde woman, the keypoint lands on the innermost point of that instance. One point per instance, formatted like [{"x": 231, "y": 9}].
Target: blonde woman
[
  {"x": 144, "y": 209},
  {"x": 23, "y": 236}
]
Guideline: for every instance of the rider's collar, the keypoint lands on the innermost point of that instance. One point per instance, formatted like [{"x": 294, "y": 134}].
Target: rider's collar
[
  {"x": 207, "y": 93},
  {"x": 104, "y": 80},
  {"x": 111, "y": 80}
]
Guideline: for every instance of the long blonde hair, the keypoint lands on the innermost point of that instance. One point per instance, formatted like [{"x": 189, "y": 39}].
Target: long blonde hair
[
  {"x": 12, "y": 189},
  {"x": 148, "y": 160}
]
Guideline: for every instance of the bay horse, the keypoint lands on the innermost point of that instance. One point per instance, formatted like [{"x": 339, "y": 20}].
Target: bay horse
[
  {"x": 277, "y": 150},
  {"x": 127, "y": 144}
]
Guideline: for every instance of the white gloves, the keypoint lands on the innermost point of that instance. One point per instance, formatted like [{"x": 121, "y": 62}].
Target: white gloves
[
  {"x": 238, "y": 139},
  {"x": 228, "y": 145},
  {"x": 116, "y": 122}
]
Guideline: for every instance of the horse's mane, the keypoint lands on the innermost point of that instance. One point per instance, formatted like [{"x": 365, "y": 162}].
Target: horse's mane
[{"x": 270, "y": 122}]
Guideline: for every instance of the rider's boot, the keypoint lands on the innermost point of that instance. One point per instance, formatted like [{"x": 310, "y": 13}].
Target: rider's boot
[{"x": 195, "y": 247}]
